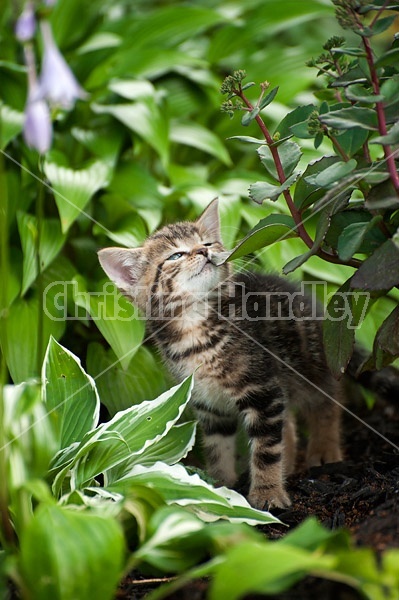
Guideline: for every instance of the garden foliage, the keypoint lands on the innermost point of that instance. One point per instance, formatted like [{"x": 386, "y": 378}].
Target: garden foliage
[{"x": 135, "y": 138}]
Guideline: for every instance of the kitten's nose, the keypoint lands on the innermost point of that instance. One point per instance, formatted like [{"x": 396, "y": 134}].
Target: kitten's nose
[{"x": 203, "y": 251}]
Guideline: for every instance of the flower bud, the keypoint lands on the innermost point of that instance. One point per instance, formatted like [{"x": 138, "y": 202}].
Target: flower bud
[
  {"x": 38, "y": 131},
  {"x": 26, "y": 24},
  {"x": 57, "y": 83}
]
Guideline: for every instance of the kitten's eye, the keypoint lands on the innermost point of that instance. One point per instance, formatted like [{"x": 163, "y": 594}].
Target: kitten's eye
[
  {"x": 208, "y": 244},
  {"x": 175, "y": 256}
]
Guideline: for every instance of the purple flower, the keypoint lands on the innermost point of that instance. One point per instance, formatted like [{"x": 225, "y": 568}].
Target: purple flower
[
  {"x": 57, "y": 82},
  {"x": 38, "y": 130},
  {"x": 26, "y": 24}
]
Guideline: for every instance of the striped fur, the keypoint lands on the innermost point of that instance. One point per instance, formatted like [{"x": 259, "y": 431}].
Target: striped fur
[{"x": 248, "y": 369}]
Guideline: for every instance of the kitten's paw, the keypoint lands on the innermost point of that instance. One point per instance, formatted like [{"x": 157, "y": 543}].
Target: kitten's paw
[
  {"x": 315, "y": 457},
  {"x": 265, "y": 499}
]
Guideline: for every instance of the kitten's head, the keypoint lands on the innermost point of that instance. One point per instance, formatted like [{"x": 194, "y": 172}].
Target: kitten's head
[{"x": 174, "y": 262}]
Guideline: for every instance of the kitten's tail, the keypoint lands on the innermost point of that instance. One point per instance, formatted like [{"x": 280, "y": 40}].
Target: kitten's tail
[{"x": 384, "y": 383}]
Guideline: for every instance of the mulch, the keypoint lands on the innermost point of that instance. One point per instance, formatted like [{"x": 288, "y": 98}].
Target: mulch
[{"x": 360, "y": 494}]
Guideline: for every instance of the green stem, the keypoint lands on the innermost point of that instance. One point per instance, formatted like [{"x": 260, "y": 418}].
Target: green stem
[{"x": 39, "y": 281}]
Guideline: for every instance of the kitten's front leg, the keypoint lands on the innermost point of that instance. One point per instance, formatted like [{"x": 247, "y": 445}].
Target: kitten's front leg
[
  {"x": 219, "y": 443},
  {"x": 264, "y": 419}
]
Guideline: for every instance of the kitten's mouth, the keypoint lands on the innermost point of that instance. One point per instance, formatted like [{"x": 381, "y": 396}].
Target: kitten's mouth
[{"x": 207, "y": 263}]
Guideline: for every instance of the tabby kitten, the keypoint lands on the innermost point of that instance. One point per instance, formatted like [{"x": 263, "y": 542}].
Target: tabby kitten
[{"x": 255, "y": 344}]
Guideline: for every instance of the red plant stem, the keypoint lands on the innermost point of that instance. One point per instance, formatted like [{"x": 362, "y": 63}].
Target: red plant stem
[
  {"x": 296, "y": 215},
  {"x": 382, "y": 126}
]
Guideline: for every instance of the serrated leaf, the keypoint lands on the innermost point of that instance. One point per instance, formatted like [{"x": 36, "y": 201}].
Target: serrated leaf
[
  {"x": 290, "y": 155},
  {"x": 51, "y": 242},
  {"x": 345, "y": 118},
  {"x": 69, "y": 393},
  {"x": 261, "y": 190},
  {"x": 73, "y": 189},
  {"x": 80, "y": 555},
  {"x": 197, "y": 136}
]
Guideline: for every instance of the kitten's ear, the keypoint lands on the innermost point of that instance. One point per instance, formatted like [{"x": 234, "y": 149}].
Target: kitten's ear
[
  {"x": 122, "y": 265},
  {"x": 209, "y": 221}
]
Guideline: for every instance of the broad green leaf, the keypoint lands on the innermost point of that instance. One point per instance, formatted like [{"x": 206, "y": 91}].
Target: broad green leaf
[
  {"x": 146, "y": 120},
  {"x": 261, "y": 190},
  {"x": 332, "y": 174},
  {"x": 73, "y": 189},
  {"x": 65, "y": 555},
  {"x": 345, "y": 311},
  {"x": 269, "y": 230},
  {"x": 51, "y": 242},
  {"x": 11, "y": 124},
  {"x": 133, "y": 89},
  {"x": 298, "y": 115},
  {"x": 355, "y": 116},
  {"x": 352, "y": 140},
  {"x": 129, "y": 432},
  {"x": 104, "y": 142},
  {"x": 20, "y": 337},
  {"x": 267, "y": 567},
  {"x": 116, "y": 318},
  {"x": 198, "y": 136},
  {"x": 268, "y": 98},
  {"x": 321, "y": 230},
  {"x": 359, "y": 93},
  {"x": 386, "y": 342},
  {"x": 173, "y": 447},
  {"x": 289, "y": 153},
  {"x": 249, "y": 116},
  {"x": 99, "y": 41},
  {"x": 129, "y": 231},
  {"x": 176, "y": 486},
  {"x": 380, "y": 271},
  {"x": 121, "y": 388},
  {"x": 69, "y": 393},
  {"x": 247, "y": 139}
]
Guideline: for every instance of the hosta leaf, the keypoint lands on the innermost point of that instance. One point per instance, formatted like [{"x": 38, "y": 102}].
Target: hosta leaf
[
  {"x": 176, "y": 486},
  {"x": 69, "y": 393},
  {"x": 129, "y": 231},
  {"x": 73, "y": 189},
  {"x": 51, "y": 242},
  {"x": 273, "y": 228},
  {"x": 345, "y": 118},
  {"x": 197, "y": 136},
  {"x": 129, "y": 432},
  {"x": 11, "y": 124},
  {"x": 261, "y": 190},
  {"x": 116, "y": 318},
  {"x": 289, "y": 153},
  {"x": 121, "y": 388},
  {"x": 80, "y": 555},
  {"x": 146, "y": 120}
]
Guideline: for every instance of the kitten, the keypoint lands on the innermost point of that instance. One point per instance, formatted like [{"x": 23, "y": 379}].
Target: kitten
[{"x": 253, "y": 343}]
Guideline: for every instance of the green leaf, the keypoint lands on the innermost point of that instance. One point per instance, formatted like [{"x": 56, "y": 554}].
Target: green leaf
[
  {"x": 19, "y": 334},
  {"x": 260, "y": 191},
  {"x": 290, "y": 155},
  {"x": 247, "y": 139},
  {"x": 392, "y": 137},
  {"x": 146, "y": 120},
  {"x": 352, "y": 140},
  {"x": 352, "y": 237},
  {"x": 386, "y": 342},
  {"x": 11, "y": 124},
  {"x": 344, "y": 312},
  {"x": 121, "y": 388},
  {"x": 382, "y": 24},
  {"x": 176, "y": 486},
  {"x": 332, "y": 174},
  {"x": 306, "y": 190},
  {"x": 65, "y": 555},
  {"x": 267, "y": 567},
  {"x": 249, "y": 116},
  {"x": 273, "y": 228},
  {"x": 268, "y": 98},
  {"x": 129, "y": 231},
  {"x": 380, "y": 271},
  {"x": 115, "y": 316},
  {"x": 359, "y": 93},
  {"x": 298, "y": 115},
  {"x": 344, "y": 118},
  {"x": 128, "y": 433},
  {"x": 69, "y": 393},
  {"x": 198, "y": 136},
  {"x": 321, "y": 230},
  {"x": 73, "y": 189},
  {"x": 51, "y": 242}
]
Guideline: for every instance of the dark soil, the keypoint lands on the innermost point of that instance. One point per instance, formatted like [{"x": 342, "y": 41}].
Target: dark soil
[{"x": 360, "y": 494}]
